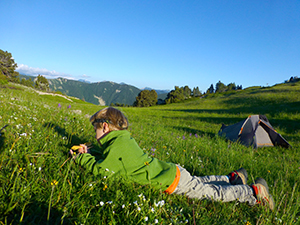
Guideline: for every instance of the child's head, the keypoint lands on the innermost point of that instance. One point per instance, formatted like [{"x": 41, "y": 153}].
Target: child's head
[{"x": 112, "y": 116}]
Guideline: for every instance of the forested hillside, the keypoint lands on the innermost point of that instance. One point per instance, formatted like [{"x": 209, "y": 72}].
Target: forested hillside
[{"x": 100, "y": 93}]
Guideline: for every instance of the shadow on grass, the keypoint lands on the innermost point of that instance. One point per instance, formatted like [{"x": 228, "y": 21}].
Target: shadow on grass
[
  {"x": 2, "y": 137},
  {"x": 75, "y": 140},
  {"x": 194, "y": 131},
  {"x": 290, "y": 126},
  {"x": 37, "y": 213}
]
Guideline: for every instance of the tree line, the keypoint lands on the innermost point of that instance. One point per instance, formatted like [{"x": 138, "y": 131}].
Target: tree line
[
  {"x": 8, "y": 73},
  {"x": 148, "y": 98}
]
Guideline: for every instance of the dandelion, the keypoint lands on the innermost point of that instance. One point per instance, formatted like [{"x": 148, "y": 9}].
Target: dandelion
[
  {"x": 54, "y": 183},
  {"x": 21, "y": 170},
  {"x": 269, "y": 171},
  {"x": 248, "y": 223},
  {"x": 146, "y": 163}
]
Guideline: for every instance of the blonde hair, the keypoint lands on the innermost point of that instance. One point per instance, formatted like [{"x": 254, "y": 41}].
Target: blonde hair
[{"x": 112, "y": 116}]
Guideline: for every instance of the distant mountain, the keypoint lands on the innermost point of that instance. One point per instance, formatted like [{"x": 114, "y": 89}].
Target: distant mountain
[
  {"x": 85, "y": 81},
  {"x": 100, "y": 93},
  {"x": 157, "y": 91}
]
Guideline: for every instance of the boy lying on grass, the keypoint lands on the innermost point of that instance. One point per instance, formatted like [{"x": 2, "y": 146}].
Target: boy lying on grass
[{"x": 123, "y": 157}]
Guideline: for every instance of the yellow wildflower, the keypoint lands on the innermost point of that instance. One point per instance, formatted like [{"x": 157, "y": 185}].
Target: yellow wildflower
[{"x": 54, "y": 183}]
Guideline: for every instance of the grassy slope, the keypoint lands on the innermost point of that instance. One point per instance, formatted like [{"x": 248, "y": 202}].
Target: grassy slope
[{"x": 34, "y": 147}]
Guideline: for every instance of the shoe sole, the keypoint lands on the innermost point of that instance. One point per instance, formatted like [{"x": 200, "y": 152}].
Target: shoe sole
[{"x": 264, "y": 189}]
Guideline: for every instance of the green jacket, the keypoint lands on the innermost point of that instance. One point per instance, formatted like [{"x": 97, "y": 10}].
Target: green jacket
[{"x": 123, "y": 157}]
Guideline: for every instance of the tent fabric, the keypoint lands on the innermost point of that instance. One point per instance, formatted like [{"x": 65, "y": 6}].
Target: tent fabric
[{"x": 255, "y": 130}]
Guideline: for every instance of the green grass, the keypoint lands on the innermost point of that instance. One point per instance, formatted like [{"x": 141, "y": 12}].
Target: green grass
[{"x": 39, "y": 185}]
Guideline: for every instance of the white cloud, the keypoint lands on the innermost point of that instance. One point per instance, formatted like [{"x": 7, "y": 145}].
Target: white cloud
[
  {"x": 24, "y": 69},
  {"x": 85, "y": 76}
]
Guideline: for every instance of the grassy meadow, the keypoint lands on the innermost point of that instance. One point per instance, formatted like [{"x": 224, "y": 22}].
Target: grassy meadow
[{"x": 39, "y": 184}]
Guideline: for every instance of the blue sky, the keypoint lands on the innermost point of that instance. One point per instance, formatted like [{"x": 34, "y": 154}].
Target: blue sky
[{"x": 158, "y": 44}]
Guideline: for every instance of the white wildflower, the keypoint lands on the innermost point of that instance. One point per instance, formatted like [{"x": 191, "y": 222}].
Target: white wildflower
[
  {"x": 101, "y": 203},
  {"x": 156, "y": 221},
  {"x": 146, "y": 218},
  {"x": 160, "y": 203}
]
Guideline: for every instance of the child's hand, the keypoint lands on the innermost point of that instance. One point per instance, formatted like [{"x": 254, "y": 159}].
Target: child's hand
[
  {"x": 73, "y": 154},
  {"x": 82, "y": 148}
]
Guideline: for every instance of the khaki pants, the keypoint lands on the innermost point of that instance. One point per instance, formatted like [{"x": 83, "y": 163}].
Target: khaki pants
[{"x": 217, "y": 188}]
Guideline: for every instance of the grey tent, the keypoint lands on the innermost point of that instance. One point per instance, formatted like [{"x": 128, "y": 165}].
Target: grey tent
[{"x": 256, "y": 130}]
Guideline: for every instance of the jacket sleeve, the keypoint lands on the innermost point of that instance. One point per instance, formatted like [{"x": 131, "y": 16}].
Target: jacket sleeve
[{"x": 89, "y": 162}]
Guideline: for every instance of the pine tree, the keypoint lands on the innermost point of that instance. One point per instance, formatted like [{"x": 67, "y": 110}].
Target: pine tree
[{"x": 8, "y": 66}]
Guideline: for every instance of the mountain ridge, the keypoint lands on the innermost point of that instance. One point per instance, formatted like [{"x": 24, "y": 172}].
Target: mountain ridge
[{"x": 98, "y": 93}]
